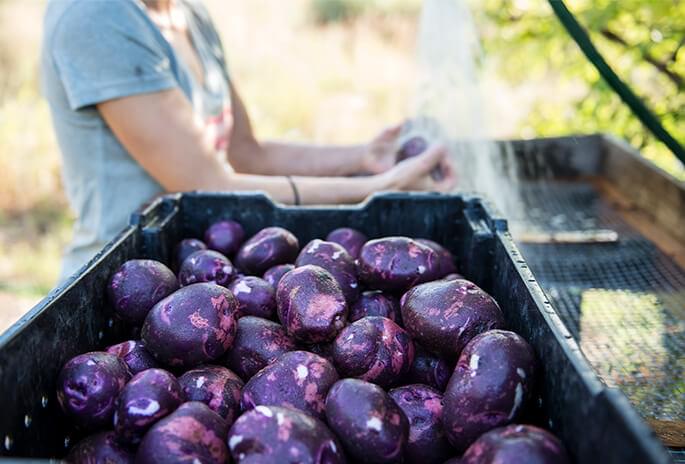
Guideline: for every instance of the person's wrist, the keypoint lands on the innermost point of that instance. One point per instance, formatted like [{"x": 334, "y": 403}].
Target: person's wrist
[{"x": 363, "y": 159}]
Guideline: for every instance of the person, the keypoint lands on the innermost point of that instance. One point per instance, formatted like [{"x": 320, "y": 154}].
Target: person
[{"x": 142, "y": 104}]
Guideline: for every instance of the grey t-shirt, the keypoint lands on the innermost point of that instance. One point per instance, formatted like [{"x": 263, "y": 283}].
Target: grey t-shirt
[{"x": 98, "y": 50}]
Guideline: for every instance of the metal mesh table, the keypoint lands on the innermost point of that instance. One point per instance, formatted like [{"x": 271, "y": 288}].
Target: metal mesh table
[{"x": 624, "y": 301}]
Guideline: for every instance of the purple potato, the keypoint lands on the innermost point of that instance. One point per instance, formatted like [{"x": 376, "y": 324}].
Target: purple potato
[
  {"x": 137, "y": 286},
  {"x": 444, "y": 315},
  {"x": 193, "y": 433},
  {"x": 454, "y": 276},
  {"x": 206, "y": 266},
  {"x": 310, "y": 304},
  {"x": 489, "y": 387},
  {"x": 350, "y": 239},
  {"x": 336, "y": 260},
  {"x": 427, "y": 443},
  {"x": 414, "y": 147},
  {"x": 88, "y": 385},
  {"x": 371, "y": 426},
  {"x": 185, "y": 248},
  {"x": 100, "y": 448},
  {"x": 446, "y": 265},
  {"x": 429, "y": 369},
  {"x": 395, "y": 264},
  {"x": 194, "y": 325},
  {"x": 273, "y": 275},
  {"x": 149, "y": 396},
  {"x": 217, "y": 387},
  {"x": 376, "y": 303},
  {"x": 374, "y": 349},
  {"x": 297, "y": 379},
  {"x": 225, "y": 237},
  {"x": 134, "y": 354},
  {"x": 516, "y": 444},
  {"x": 258, "y": 343},
  {"x": 256, "y": 297},
  {"x": 271, "y": 434},
  {"x": 269, "y": 247}
]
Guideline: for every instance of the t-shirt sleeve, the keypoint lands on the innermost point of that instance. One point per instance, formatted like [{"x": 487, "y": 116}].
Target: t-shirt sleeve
[{"x": 104, "y": 50}]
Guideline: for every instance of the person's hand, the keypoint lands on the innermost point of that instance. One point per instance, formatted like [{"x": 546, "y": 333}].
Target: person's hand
[
  {"x": 381, "y": 152},
  {"x": 414, "y": 173}
]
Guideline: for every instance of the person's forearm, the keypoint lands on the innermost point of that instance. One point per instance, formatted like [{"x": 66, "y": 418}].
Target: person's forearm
[{"x": 277, "y": 158}]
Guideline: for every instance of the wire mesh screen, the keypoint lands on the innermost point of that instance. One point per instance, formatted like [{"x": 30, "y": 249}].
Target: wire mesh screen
[{"x": 623, "y": 301}]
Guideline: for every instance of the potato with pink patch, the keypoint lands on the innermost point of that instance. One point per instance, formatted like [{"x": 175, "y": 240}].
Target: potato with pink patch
[
  {"x": 225, "y": 237},
  {"x": 217, "y": 387},
  {"x": 336, "y": 260},
  {"x": 350, "y": 239},
  {"x": 444, "y": 315},
  {"x": 134, "y": 354},
  {"x": 429, "y": 369},
  {"x": 258, "y": 342},
  {"x": 394, "y": 264},
  {"x": 516, "y": 444},
  {"x": 267, "y": 248},
  {"x": 371, "y": 426},
  {"x": 427, "y": 443},
  {"x": 185, "y": 248},
  {"x": 88, "y": 385},
  {"x": 274, "y": 274},
  {"x": 206, "y": 266},
  {"x": 102, "y": 447},
  {"x": 490, "y": 386},
  {"x": 272, "y": 434},
  {"x": 149, "y": 396},
  {"x": 137, "y": 286},
  {"x": 374, "y": 349},
  {"x": 310, "y": 304},
  {"x": 194, "y": 325},
  {"x": 256, "y": 297},
  {"x": 446, "y": 261},
  {"x": 297, "y": 379},
  {"x": 192, "y": 433},
  {"x": 376, "y": 303}
]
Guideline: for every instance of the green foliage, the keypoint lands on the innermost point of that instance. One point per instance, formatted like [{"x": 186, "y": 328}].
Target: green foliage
[
  {"x": 333, "y": 11},
  {"x": 643, "y": 41}
]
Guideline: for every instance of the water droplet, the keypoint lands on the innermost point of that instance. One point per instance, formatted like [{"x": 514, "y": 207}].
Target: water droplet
[
  {"x": 44, "y": 401},
  {"x": 67, "y": 440},
  {"x": 8, "y": 442},
  {"x": 110, "y": 323},
  {"x": 27, "y": 421},
  {"x": 100, "y": 335}
]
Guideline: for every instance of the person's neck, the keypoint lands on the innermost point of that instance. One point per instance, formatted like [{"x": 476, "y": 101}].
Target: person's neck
[{"x": 159, "y": 6}]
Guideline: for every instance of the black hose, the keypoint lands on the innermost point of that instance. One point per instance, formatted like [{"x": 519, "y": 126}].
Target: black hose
[{"x": 636, "y": 105}]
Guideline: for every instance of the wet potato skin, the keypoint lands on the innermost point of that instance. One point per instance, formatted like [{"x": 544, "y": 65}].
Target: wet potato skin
[
  {"x": 311, "y": 305},
  {"x": 395, "y": 264},
  {"x": 336, "y": 260},
  {"x": 427, "y": 443},
  {"x": 206, "y": 266},
  {"x": 192, "y": 432},
  {"x": 429, "y": 369},
  {"x": 194, "y": 325},
  {"x": 274, "y": 274},
  {"x": 376, "y": 303},
  {"x": 267, "y": 248},
  {"x": 258, "y": 342},
  {"x": 374, "y": 349},
  {"x": 490, "y": 386},
  {"x": 444, "y": 315},
  {"x": 101, "y": 447},
  {"x": 134, "y": 354},
  {"x": 225, "y": 237},
  {"x": 371, "y": 426},
  {"x": 350, "y": 239},
  {"x": 516, "y": 444},
  {"x": 149, "y": 396},
  {"x": 217, "y": 387},
  {"x": 137, "y": 286},
  {"x": 297, "y": 379},
  {"x": 185, "y": 248},
  {"x": 87, "y": 388},
  {"x": 256, "y": 297}
]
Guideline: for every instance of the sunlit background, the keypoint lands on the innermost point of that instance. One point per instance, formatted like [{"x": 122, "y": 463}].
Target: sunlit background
[{"x": 338, "y": 71}]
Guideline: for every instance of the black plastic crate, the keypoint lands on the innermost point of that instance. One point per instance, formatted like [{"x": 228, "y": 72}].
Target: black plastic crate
[{"x": 597, "y": 424}]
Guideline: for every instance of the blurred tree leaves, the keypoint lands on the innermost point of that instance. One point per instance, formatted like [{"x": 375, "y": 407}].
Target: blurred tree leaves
[{"x": 644, "y": 41}]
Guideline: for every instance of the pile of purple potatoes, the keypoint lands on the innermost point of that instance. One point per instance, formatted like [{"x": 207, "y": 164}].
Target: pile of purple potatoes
[{"x": 345, "y": 350}]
